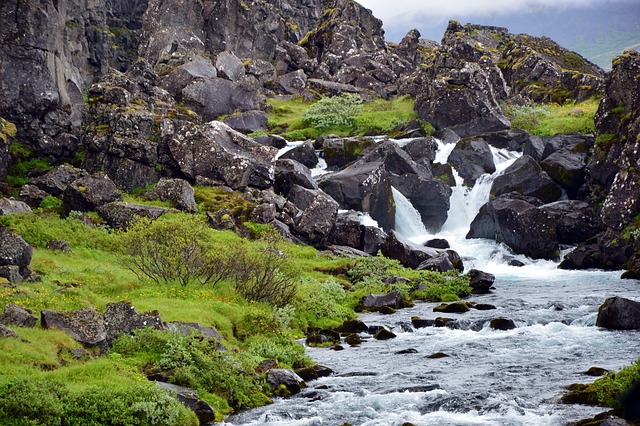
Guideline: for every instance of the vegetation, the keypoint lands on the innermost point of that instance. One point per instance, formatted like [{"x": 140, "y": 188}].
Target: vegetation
[
  {"x": 270, "y": 293},
  {"x": 553, "y": 119},
  {"x": 346, "y": 115}
]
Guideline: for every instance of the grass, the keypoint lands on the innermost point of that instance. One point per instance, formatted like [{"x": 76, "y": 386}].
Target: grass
[
  {"x": 553, "y": 119},
  {"x": 96, "y": 272},
  {"x": 377, "y": 117}
]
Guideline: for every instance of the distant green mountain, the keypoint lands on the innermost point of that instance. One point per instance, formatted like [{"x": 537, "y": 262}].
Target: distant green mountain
[{"x": 599, "y": 32}]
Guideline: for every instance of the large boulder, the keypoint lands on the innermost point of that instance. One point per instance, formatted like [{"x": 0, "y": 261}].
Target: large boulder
[
  {"x": 376, "y": 302},
  {"x": 525, "y": 176},
  {"x": 85, "y": 325},
  {"x": 576, "y": 221},
  {"x": 122, "y": 317},
  {"x": 304, "y": 154},
  {"x": 281, "y": 377},
  {"x": 119, "y": 214},
  {"x": 409, "y": 254},
  {"x": 15, "y": 315},
  {"x": 480, "y": 281},
  {"x": 472, "y": 158},
  {"x": 364, "y": 187},
  {"x": 248, "y": 121},
  {"x": 13, "y": 249},
  {"x": 56, "y": 181},
  {"x": 229, "y": 66},
  {"x": 519, "y": 224},
  {"x": 566, "y": 168},
  {"x": 90, "y": 192},
  {"x": 339, "y": 152},
  {"x": 190, "y": 399},
  {"x": 214, "y": 97},
  {"x": 194, "y": 67},
  {"x": 618, "y": 313},
  {"x": 214, "y": 150},
  {"x": 178, "y": 191},
  {"x": 11, "y": 206},
  {"x": 291, "y": 172},
  {"x": 317, "y": 217}
]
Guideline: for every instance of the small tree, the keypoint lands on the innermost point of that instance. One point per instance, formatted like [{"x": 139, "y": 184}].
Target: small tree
[{"x": 174, "y": 250}]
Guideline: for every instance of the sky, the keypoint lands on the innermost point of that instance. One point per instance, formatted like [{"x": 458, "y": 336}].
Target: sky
[{"x": 431, "y": 16}]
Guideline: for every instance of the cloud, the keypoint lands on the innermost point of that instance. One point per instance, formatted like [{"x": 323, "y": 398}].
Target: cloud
[{"x": 393, "y": 12}]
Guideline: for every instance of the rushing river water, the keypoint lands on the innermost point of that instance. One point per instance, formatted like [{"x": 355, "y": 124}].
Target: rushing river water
[{"x": 489, "y": 377}]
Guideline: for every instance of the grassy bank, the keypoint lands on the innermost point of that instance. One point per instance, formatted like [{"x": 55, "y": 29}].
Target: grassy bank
[
  {"x": 553, "y": 119},
  {"x": 295, "y": 119},
  {"x": 101, "y": 269}
]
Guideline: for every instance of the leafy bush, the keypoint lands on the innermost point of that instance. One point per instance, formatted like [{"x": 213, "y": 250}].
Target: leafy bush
[
  {"x": 378, "y": 266},
  {"x": 552, "y": 119},
  {"x": 176, "y": 250},
  {"x": 334, "y": 111},
  {"x": 282, "y": 349},
  {"x": 323, "y": 300}
]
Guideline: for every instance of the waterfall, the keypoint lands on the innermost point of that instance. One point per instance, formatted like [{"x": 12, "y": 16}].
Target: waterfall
[{"x": 408, "y": 220}]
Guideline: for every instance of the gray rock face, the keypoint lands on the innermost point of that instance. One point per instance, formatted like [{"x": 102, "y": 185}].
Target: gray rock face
[
  {"x": 195, "y": 67},
  {"x": 84, "y": 325},
  {"x": 14, "y": 251},
  {"x": 229, "y": 66},
  {"x": 375, "y": 302},
  {"x": 18, "y": 316},
  {"x": 526, "y": 177},
  {"x": 277, "y": 377},
  {"x": 190, "y": 399},
  {"x": 52, "y": 68},
  {"x": 188, "y": 328},
  {"x": 89, "y": 193},
  {"x": 618, "y": 313},
  {"x": 567, "y": 168},
  {"x": 407, "y": 253},
  {"x": 216, "y": 151},
  {"x": 480, "y": 281},
  {"x": 6, "y": 332},
  {"x": 178, "y": 191}
]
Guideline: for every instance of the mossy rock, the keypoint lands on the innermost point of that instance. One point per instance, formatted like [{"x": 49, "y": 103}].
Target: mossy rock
[
  {"x": 580, "y": 394},
  {"x": 353, "y": 340},
  {"x": 384, "y": 334},
  {"x": 456, "y": 307}
]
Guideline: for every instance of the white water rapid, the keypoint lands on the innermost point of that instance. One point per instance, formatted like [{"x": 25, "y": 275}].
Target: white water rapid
[{"x": 488, "y": 377}]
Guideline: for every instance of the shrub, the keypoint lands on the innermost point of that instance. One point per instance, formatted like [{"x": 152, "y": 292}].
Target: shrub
[
  {"x": 279, "y": 348},
  {"x": 375, "y": 266},
  {"x": 335, "y": 111},
  {"x": 174, "y": 250},
  {"x": 323, "y": 300},
  {"x": 442, "y": 287},
  {"x": 262, "y": 273}
]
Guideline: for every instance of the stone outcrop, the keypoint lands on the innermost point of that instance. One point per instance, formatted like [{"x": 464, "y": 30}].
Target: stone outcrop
[
  {"x": 119, "y": 214},
  {"x": 472, "y": 158},
  {"x": 89, "y": 193},
  {"x": 526, "y": 177},
  {"x": 177, "y": 191},
  {"x": 122, "y": 317}
]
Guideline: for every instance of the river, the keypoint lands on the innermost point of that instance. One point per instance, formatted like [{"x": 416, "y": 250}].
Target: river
[{"x": 488, "y": 377}]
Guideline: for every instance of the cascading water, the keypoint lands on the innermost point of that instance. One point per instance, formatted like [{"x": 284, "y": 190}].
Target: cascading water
[{"x": 488, "y": 377}]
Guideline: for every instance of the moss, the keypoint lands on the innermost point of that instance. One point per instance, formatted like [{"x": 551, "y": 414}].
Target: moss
[{"x": 7, "y": 130}]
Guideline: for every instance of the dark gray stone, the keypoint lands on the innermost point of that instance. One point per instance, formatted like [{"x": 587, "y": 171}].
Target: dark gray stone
[
  {"x": 190, "y": 399},
  {"x": 178, "y": 191},
  {"x": 18, "y": 316},
  {"x": 282, "y": 377},
  {"x": 89, "y": 193},
  {"x": 85, "y": 325},
  {"x": 618, "y": 313}
]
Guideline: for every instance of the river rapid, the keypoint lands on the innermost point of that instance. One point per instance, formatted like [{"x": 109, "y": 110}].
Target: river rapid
[{"x": 488, "y": 377}]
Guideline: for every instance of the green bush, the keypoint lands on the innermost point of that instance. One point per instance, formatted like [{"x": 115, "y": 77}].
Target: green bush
[
  {"x": 279, "y": 348},
  {"x": 335, "y": 111},
  {"x": 611, "y": 388},
  {"x": 195, "y": 363},
  {"x": 323, "y": 300},
  {"x": 43, "y": 402},
  {"x": 378, "y": 266},
  {"x": 174, "y": 250}
]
